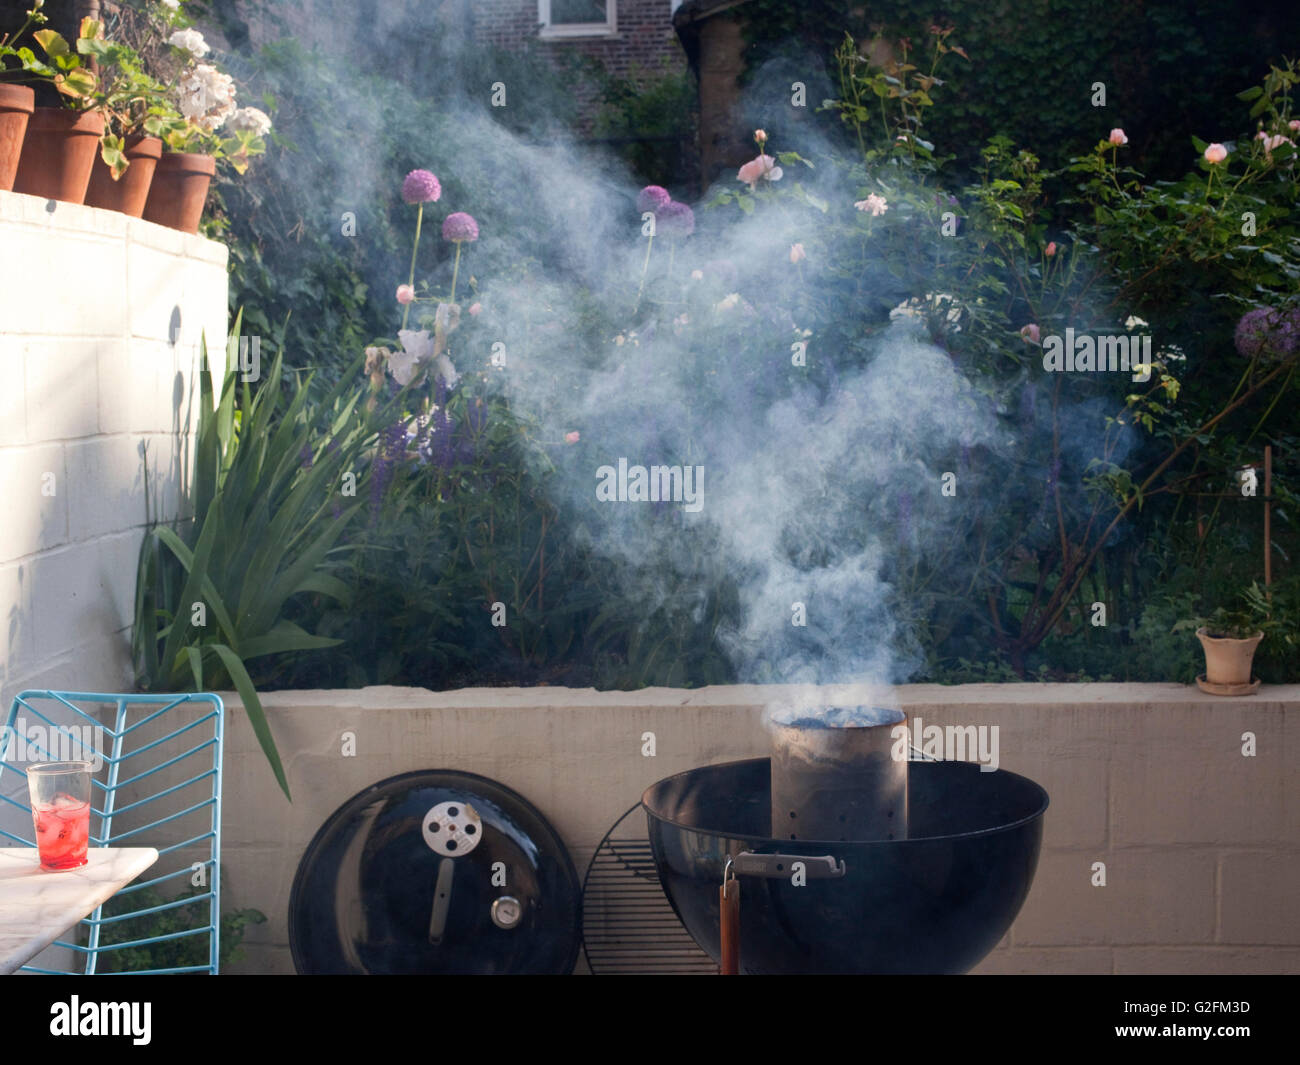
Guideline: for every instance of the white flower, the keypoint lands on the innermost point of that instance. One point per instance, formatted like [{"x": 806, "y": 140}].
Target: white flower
[
  {"x": 190, "y": 41},
  {"x": 174, "y": 5},
  {"x": 446, "y": 370},
  {"x": 877, "y": 205},
  {"x": 1132, "y": 321},
  {"x": 728, "y": 302},
  {"x": 417, "y": 349},
  {"x": 697, "y": 275},
  {"x": 907, "y": 309},
  {"x": 250, "y": 120},
  {"x": 207, "y": 96}
]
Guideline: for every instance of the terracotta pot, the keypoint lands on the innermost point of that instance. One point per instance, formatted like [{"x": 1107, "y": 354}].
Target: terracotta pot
[
  {"x": 179, "y": 190},
  {"x": 58, "y": 152},
  {"x": 129, "y": 192},
  {"x": 1228, "y": 660},
  {"x": 16, "y": 105}
]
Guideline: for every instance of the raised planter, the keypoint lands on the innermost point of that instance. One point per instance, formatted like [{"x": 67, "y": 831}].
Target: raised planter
[
  {"x": 179, "y": 190},
  {"x": 129, "y": 193},
  {"x": 58, "y": 153},
  {"x": 16, "y": 105}
]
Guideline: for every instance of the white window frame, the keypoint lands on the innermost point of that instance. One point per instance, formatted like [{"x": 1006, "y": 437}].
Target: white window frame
[{"x": 608, "y": 28}]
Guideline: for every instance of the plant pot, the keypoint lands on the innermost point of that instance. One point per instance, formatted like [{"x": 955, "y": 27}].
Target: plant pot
[
  {"x": 16, "y": 105},
  {"x": 129, "y": 193},
  {"x": 1227, "y": 659},
  {"x": 179, "y": 190},
  {"x": 58, "y": 152}
]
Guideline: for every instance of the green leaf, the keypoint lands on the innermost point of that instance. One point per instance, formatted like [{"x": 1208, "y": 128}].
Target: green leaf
[{"x": 256, "y": 714}]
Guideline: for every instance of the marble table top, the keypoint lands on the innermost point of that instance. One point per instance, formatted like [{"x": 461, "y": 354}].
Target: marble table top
[{"x": 37, "y": 906}]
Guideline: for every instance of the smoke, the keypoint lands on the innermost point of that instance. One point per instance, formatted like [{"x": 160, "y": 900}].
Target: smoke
[{"x": 820, "y": 454}]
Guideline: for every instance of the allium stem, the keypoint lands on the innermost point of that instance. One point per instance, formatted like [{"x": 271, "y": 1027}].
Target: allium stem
[
  {"x": 419, "y": 220},
  {"x": 455, "y": 271},
  {"x": 644, "y": 267}
]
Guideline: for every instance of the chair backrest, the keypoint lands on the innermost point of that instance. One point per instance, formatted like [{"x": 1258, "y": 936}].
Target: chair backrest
[{"x": 157, "y": 783}]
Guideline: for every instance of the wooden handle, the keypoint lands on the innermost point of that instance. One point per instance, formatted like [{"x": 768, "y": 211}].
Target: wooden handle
[{"x": 729, "y": 905}]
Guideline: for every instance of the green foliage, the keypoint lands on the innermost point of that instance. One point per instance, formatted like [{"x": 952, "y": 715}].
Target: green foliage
[
  {"x": 653, "y": 116},
  {"x": 181, "y": 952},
  {"x": 1033, "y": 65},
  {"x": 270, "y": 508}
]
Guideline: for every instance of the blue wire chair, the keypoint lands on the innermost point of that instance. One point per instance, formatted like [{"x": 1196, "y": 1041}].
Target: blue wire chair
[{"x": 125, "y": 806}]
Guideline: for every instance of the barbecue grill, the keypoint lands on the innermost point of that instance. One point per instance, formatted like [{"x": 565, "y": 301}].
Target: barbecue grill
[{"x": 842, "y": 887}]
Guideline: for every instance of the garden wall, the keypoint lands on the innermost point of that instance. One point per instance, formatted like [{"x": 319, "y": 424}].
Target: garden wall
[
  {"x": 101, "y": 319},
  {"x": 1201, "y": 844}
]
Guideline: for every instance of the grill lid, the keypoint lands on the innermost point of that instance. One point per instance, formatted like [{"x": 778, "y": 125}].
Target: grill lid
[{"x": 435, "y": 871}]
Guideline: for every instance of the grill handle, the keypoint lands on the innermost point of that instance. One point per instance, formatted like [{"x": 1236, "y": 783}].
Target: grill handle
[{"x": 777, "y": 866}]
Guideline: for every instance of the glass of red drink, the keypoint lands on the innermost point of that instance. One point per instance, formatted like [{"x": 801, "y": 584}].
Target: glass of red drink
[{"x": 60, "y": 793}]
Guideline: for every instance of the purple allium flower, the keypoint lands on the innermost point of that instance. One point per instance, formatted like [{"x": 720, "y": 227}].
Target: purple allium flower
[
  {"x": 1268, "y": 333},
  {"x": 675, "y": 219},
  {"x": 421, "y": 186},
  {"x": 459, "y": 226},
  {"x": 652, "y": 198}
]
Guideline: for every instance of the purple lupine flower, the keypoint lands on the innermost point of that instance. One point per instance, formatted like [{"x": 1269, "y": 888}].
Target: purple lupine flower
[
  {"x": 304, "y": 457},
  {"x": 459, "y": 226},
  {"x": 675, "y": 219},
  {"x": 1268, "y": 333},
  {"x": 392, "y": 444},
  {"x": 652, "y": 198},
  {"x": 421, "y": 186},
  {"x": 441, "y": 452}
]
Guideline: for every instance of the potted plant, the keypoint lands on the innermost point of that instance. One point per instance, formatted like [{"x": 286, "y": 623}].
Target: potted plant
[
  {"x": 213, "y": 128},
  {"x": 60, "y": 144},
  {"x": 1230, "y": 638},
  {"x": 16, "y": 101},
  {"x": 138, "y": 113}
]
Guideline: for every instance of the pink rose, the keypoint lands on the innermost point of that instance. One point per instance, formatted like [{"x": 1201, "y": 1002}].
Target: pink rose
[
  {"x": 1294, "y": 124},
  {"x": 1215, "y": 153},
  {"x": 1118, "y": 137},
  {"x": 573, "y": 437},
  {"x": 762, "y": 167},
  {"x": 405, "y": 294},
  {"x": 760, "y": 135},
  {"x": 1050, "y": 250},
  {"x": 797, "y": 254},
  {"x": 1029, "y": 333},
  {"x": 475, "y": 309}
]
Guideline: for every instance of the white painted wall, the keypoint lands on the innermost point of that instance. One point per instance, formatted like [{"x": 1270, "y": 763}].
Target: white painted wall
[{"x": 101, "y": 319}]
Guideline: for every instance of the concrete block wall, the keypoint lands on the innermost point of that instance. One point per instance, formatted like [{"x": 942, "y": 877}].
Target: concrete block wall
[
  {"x": 1200, "y": 843},
  {"x": 101, "y": 319}
]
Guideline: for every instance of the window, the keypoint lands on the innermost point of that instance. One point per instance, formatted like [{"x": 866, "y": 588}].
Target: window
[{"x": 577, "y": 18}]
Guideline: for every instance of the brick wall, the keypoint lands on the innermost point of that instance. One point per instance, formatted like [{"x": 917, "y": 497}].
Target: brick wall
[
  {"x": 100, "y": 323},
  {"x": 645, "y": 40}
]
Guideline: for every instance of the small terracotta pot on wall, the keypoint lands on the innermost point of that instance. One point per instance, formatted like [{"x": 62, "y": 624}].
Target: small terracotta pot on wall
[
  {"x": 58, "y": 152},
  {"x": 129, "y": 192},
  {"x": 1227, "y": 663},
  {"x": 16, "y": 105},
  {"x": 179, "y": 190}
]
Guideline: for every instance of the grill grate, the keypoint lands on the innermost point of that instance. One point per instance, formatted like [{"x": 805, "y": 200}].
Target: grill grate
[{"x": 628, "y": 924}]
